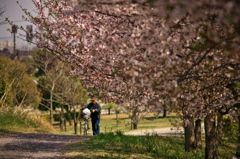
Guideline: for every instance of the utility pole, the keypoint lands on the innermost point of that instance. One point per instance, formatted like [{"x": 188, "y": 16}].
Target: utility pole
[{"x": 14, "y": 31}]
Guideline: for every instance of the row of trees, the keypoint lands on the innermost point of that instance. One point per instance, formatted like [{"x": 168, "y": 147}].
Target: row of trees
[
  {"x": 152, "y": 55},
  {"x": 43, "y": 82},
  {"x": 58, "y": 88}
]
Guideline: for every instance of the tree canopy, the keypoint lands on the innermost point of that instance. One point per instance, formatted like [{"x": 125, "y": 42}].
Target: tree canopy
[
  {"x": 150, "y": 52},
  {"x": 17, "y": 87}
]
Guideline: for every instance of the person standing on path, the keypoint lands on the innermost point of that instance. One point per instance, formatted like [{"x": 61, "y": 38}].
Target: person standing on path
[{"x": 95, "y": 109}]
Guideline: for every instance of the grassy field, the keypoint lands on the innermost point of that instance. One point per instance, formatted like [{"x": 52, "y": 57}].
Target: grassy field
[
  {"x": 109, "y": 123},
  {"x": 112, "y": 143},
  {"x": 119, "y": 146}
]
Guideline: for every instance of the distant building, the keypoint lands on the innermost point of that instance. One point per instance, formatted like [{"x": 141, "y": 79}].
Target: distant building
[
  {"x": 23, "y": 54},
  {"x": 20, "y": 54},
  {"x": 7, "y": 44},
  {"x": 5, "y": 52}
]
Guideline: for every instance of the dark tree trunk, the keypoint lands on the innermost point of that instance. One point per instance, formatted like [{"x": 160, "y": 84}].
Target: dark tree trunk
[
  {"x": 134, "y": 125},
  {"x": 211, "y": 151},
  {"x": 65, "y": 125},
  {"x": 238, "y": 128},
  {"x": 117, "y": 119},
  {"x": 220, "y": 128},
  {"x": 69, "y": 116},
  {"x": 189, "y": 136},
  {"x": 164, "y": 112},
  {"x": 75, "y": 121},
  {"x": 75, "y": 128},
  {"x": 80, "y": 128},
  {"x": 134, "y": 119},
  {"x": 62, "y": 120},
  {"x": 51, "y": 103},
  {"x": 109, "y": 111},
  {"x": 198, "y": 133}
]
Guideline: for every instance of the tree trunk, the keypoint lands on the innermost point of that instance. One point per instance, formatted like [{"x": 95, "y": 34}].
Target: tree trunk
[
  {"x": 51, "y": 111},
  {"x": 238, "y": 128},
  {"x": 189, "y": 136},
  {"x": 69, "y": 116},
  {"x": 65, "y": 125},
  {"x": 134, "y": 118},
  {"x": 164, "y": 112},
  {"x": 51, "y": 104},
  {"x": 220, "y": 128},
  {"x": 211, "y": 151},
  {"x": 80, "y": 128},
  {"x": 135, "y": 125},
  {"x": 75, "y": 121},
  {"x": 109, "y": 111},
  {"x": 117, "y": 119},
  {"x": 51, "y": 114},
  {"x": 62, "y": 124},
  {"x": 198, "y": 133}
]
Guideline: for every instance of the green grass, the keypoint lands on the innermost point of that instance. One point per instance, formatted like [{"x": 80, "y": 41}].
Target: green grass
[
  {"x": 108, "y": 123},
  {"x": 16, "y": 120},
  {"x": 112, "y": 144},
  {"x": 119, "y": 146}
]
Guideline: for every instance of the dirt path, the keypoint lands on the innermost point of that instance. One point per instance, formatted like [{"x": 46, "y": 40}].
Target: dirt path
[
  {"x": 49, "y": 146},
  {"x": 161, "y": 132},
  {"x": 35, "y": 146}
]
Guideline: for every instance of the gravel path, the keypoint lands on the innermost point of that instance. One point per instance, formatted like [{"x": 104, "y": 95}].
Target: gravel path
[{"x": 35, "y": 146}]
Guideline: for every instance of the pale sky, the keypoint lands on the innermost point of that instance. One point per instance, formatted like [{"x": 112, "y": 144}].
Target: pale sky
[{"x": 14, "y": 13}]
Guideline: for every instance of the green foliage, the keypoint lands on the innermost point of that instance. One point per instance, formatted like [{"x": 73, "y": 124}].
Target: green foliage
[
  {"x": 44, "y": 87},
  {"x": 109, "y": 106},
  {"x": 71, "y": 91},
  {"x": 16, "y": 86},
  {"x": 57, "y": 116},
  {"x": 43, "y": 59},
  {"x": 30, "y": 65},
  {"x": 230, "y": 129},
  {"x": 54, "y": 79},
  {"x": 46, "y": 117}
]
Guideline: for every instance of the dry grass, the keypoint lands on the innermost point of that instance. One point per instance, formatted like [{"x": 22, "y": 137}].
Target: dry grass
[{"x": 16, "y": 120}]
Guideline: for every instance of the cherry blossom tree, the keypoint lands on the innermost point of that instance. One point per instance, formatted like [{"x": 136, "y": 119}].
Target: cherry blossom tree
[{"x": 184, "y": 52}]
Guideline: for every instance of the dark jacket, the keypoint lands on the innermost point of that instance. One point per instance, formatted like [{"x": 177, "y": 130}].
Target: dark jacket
[{"x": 97, "y": 107}]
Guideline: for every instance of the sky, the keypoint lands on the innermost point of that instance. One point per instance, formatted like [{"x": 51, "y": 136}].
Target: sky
[{"x": 14, "y": 13}]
